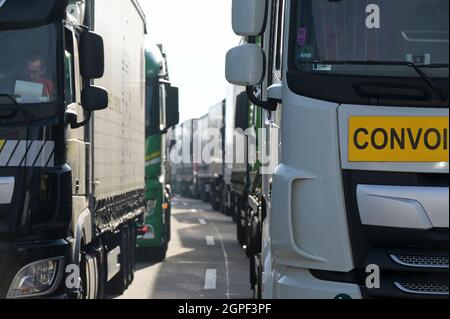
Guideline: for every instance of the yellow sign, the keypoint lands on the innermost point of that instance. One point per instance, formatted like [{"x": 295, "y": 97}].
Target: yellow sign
[{"x": 398, "y": 139}]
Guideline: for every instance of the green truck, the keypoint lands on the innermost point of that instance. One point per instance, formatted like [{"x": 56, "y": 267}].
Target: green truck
[{"x": 161, "y": 114}]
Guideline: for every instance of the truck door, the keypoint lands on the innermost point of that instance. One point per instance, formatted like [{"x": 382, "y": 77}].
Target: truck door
[{"x": 78, "y": 146}]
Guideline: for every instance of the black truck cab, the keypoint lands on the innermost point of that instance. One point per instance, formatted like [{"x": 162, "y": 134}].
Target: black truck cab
[{"x": 35, "y": 178}]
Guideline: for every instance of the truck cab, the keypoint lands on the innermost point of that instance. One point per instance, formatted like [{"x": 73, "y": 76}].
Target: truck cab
[
  {"x": 355, "y": 100},
  {"x": 38, "y": 63},
  {"x": 161, "y": 115}
]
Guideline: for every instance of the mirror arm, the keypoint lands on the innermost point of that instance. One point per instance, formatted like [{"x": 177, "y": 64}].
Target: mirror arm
[
  {"x": 83, "y": 123},
  {"x": 269, "y": 105}
]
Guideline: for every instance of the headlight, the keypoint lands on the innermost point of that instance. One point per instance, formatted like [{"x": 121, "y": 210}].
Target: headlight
[{"x": 36, "y": 278}]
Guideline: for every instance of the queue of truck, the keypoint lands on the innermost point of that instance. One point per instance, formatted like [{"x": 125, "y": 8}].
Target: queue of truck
[
  {"x": 329, "y": 150},
  {"x": 357, "y": 204}
]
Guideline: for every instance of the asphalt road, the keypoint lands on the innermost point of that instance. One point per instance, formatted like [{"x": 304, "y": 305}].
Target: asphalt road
[{"x": 204, "y": 260}]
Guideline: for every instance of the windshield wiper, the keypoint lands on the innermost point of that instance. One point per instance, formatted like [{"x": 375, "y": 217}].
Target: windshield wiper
[
  {"x": 27, "y": 114},
  {"x": 412, "y": 65}
]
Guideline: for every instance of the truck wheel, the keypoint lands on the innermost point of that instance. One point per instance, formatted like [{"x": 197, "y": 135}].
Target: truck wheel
[
  {"x": 234, "y": 209},
  {"x": 168, "y": 227},
  {"x": 100, "y": 255},
  {"x": 253, "y": 275},
  {"x": 89, "y": 273},
  {"x": 215, "y": 199},
  {"x": 160, "y": 253},
  {"x": 257, "y": 291},
  {"x": 203, "y": 197},
  {"x": 130, "y": 253},
  {"x": 215, "y": 206},
  {"x": 240, "y": 231},
  {"x": 254, "y": 238}
]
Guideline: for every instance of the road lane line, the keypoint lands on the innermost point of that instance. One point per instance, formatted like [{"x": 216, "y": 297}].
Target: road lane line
[
  {"x": 210, "y": 241},
  {"x": 225, "y": 257},
  {"x": 202, "y": 221},
  {"x": 210, "y": 279},
  {"x": 193, "y": 210}
]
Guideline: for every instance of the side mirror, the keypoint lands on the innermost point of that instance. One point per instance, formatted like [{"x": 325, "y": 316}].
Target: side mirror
[
  {"x": 249, "y": 17},
  {"x": 242, "y": 108},
  {"x": 92, "y": 55},
  {"x": 172, "y": 107},
  {"x": 245, "y": 65},
  {"x": 94, "y": 98}
]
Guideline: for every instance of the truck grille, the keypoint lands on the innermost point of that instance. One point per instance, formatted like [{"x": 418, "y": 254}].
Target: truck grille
[
  {"x": 421, "y": 261},
  {"x": 413, "y": 262},
  {"x": 423, "y": 288}
]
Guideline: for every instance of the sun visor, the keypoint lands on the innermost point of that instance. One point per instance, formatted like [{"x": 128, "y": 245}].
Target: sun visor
[{"x": 30, "y": 12}]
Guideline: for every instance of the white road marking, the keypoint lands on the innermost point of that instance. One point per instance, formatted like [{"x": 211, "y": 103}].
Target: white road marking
[
  {"x": 210, "y": 241},
  {"x": 193, "y": 210},
  {"x": 202, "y": 221},
  {"x": 225, "y": 257},
  {"x": 210, "y": 279}
]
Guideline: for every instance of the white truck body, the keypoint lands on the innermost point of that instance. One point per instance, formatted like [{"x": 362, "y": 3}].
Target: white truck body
[{"x": 119, "y": 131}]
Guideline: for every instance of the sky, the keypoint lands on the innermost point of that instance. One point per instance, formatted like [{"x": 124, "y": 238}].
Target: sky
[{"x": 196, "y": 35}]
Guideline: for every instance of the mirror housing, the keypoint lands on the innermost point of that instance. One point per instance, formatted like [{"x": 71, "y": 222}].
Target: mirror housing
[
  {"x": 172, "y": 107},
  {"x": 94, "y": 98},
  {"x": 92, "y": 55},
  {"x": 245, "y": 65},
  {"x": 249, "y": 17},
  {"x": 242, "y": 107}
]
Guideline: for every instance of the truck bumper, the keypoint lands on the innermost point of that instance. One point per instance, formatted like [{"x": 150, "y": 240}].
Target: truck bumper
[{"x": 14, "y": 256}]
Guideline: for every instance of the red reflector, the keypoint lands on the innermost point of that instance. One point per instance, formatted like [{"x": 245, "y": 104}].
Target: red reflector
[{"x": 144, "y": 229}]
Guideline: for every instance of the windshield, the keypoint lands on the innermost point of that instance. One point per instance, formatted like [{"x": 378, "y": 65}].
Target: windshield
[
  {"x": 28, "y": 64},
  {"x": 379, "y": 30}
]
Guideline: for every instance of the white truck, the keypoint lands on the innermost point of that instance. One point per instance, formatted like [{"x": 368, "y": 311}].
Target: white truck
[{"x": 358, "y": 204}]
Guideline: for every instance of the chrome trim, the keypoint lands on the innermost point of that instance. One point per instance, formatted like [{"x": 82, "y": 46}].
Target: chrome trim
[
  {"x": 398, "y": 261},
  {"x": 415, "y": 292}
]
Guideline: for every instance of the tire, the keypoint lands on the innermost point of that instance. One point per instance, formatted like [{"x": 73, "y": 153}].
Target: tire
[
  {"x": 253, "y": 275},
  {"x": 130, "y": 254},
  {"x": 203, "y": 197},
  {"x": 253, "y": 237},
  {"x": 215, "y": 199},
  {"x": 102, "y": 271},
  {"x": 240, "y": 232},
  {"x": 257, "y": 291},
  {"x": 89, "y": 273},
  {"x": 234, "y": 209},
  {"x": 168, "y": 229},
  {"x": 215, "y": 206}
]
